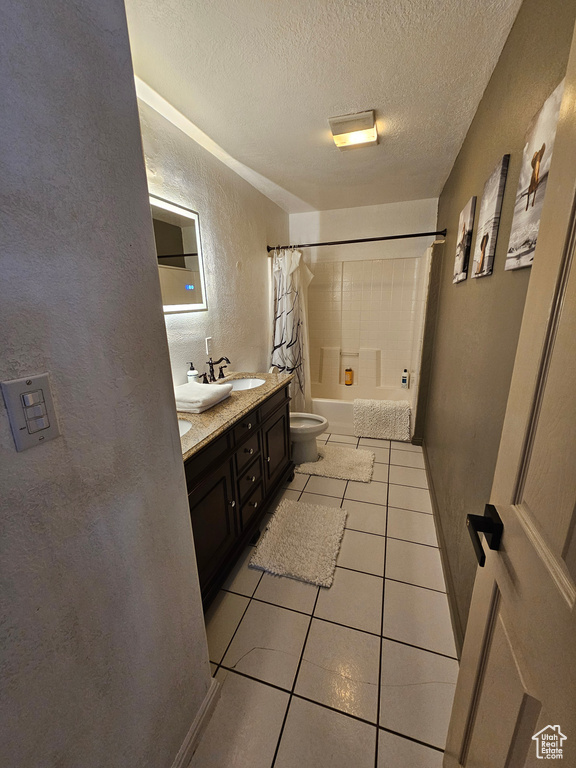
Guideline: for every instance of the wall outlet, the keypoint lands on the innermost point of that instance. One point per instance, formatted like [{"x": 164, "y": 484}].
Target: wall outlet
[{"x": 209, "y": 345}]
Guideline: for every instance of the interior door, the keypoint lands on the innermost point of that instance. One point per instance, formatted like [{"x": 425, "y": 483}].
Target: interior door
[{"x": 518, "y": 671}]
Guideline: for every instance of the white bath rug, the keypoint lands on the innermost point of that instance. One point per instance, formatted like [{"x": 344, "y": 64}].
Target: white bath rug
[
  {"x": 385, "y": 419},
  {"x": 302, "y": 542},
  {"x": 341, "y": 462}
]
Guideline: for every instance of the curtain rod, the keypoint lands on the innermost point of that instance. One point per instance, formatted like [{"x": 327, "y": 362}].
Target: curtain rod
[{"x": 362, "y": 240}]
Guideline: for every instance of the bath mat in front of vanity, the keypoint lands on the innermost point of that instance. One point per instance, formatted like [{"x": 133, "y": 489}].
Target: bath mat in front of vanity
[
  {"x": 341, "y": 462},
  {"x": 302, "y": 542}
]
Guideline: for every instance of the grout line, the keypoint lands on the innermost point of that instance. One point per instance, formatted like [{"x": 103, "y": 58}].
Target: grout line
[
  {"x": 409, "y": 541},
  {"x": 256, "y": 679},
  {"x": 404, "y": 509},
  {"x": 411, "y": 738},
  {"x": 420, "y": 648},
  {"x": 405, "y": 485},
  {"x": 355, "y": 570},
  {"x": 333, "y": 709},
  {"x": 234, "y": 635},
  {"x": 411, "y": 584},
  {"x": 294, "y": 683},
  {"x": 382, "y": 622}
]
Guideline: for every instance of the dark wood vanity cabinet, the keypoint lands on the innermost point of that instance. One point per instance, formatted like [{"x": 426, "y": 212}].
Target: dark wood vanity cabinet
[{"x": 231, "y": 483}]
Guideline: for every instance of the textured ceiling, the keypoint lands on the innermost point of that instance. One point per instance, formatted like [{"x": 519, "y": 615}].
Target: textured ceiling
[{"x": 261, "y": 78}]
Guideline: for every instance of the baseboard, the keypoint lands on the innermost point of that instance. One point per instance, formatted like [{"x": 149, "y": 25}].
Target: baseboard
[
  {"x": 190, "y": 743},
  {"x": 448, "y": 578}
]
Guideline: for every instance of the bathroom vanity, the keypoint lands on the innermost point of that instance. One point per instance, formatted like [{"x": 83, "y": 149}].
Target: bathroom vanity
[{"x": 236, "y": 458}]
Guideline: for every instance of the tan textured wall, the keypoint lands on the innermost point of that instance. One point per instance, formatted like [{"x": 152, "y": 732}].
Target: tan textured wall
[
  {"x": 478, "y": 321},
  {"x": 236, "y": 224},
  {"x": 103, "y": 650}
]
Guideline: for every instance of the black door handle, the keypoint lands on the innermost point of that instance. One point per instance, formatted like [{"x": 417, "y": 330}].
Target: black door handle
[{"x": 490, "y": 525}]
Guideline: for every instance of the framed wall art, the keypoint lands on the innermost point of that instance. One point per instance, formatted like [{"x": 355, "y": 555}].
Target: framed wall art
[
  {"x": 465, "y": 228},
  {"x": 489, "y": 220},
  {"x": 532, "y": 182}
]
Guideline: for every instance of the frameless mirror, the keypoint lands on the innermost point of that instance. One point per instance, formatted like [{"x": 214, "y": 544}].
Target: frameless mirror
[{"x": 179, "y": 252}]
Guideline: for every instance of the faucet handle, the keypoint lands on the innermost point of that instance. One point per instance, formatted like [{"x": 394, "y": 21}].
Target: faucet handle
[
  {"x": 204, "y": 378},
  {"x": 221, "y": 374}
]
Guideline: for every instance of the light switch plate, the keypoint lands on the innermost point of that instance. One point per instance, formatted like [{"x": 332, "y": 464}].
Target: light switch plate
[{"x": 30, "y": 410}]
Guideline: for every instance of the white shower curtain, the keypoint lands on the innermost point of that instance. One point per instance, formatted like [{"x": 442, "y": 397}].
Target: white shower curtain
[{"x": 290, "y": 348}]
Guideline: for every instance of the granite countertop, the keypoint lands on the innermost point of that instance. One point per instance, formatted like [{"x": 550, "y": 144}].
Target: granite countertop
[{"x": 213, "y": 422}]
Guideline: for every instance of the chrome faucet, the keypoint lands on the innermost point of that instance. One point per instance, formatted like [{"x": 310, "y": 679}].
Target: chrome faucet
[{"x": 211, "y": 363}]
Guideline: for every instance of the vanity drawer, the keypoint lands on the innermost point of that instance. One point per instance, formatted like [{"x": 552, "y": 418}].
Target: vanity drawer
[
  {"x": 274, "y": 402},
  {"x": 197, "y": 467},
  {"x": 247, "y": 452},
  {"x": 251, "y": 506},
  {"x": 249, "y": 478},
  {"x": 247, "y": 426}
]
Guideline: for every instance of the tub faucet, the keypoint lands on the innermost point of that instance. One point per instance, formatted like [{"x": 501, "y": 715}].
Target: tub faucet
[{"x": 211, "y": 363}]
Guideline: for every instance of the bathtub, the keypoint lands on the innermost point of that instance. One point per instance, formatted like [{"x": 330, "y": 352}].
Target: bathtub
[{"x": 340, "y": 413}]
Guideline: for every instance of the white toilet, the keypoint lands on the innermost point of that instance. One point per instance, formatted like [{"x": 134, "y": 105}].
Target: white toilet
[{"x": 304, "y": 429}]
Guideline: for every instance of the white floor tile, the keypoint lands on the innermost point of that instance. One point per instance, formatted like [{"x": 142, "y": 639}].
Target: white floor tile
[
  {"x": 411, "y": 526},
  {"x": 244, "y": 728},
  {"x": 415, "y": 564},
  {"x": 401, "y": 446},
  {"x": 322, "y": 439},
  {"x": 315, "y": 736},
  {"x": 289, "y": 494},
  {"x": 406, "y": 459},
  {"x": 362, "y": 552},
  {"x": 340, "y": 668},
  {"x": 380, "y": 473},
  {"x": 374, "y": 442},
  {"x": 222, "y": 618},
  {"x": 213, "y": 668},
  {"x": 324, "y": 501},
  {"x": 373, "y": 493},
  {"x": 300, "y": 480},
  {"x": 326, "y": 486},
  {"x": 381, "y": 455},
  {"x": 396, "y": 752},
  {"x": 354, "y": 599},
  {"x": 404, "y": 497},
  {"x": 417, "y": 692},
  {"x": 287, "y": 593},
  {"x": 268, "y": 644},
  {"x": 242, "y": 579},
  {"x": 419, "y": 617},
  {"x": 370, "y": 518},
  {"x": 408, "y": 476},
  {"x": 349, "y": 439}
]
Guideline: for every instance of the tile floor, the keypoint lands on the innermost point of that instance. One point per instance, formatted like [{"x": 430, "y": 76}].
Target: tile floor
[{"x": 360, "y": 675}]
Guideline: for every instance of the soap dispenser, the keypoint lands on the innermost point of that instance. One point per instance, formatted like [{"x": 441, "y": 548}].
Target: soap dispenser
[{"x": 192, "y": 374}]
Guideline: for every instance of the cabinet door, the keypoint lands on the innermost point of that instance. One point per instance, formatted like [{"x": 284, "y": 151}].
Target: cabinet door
[
  {"x": 212, "y": 509},
  {"x": 276, "y": 435}
]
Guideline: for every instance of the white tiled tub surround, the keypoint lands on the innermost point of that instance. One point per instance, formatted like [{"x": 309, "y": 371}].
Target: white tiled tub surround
[
  {"x": 361, "y": 674},
  {"x": 367, "y": 315}
]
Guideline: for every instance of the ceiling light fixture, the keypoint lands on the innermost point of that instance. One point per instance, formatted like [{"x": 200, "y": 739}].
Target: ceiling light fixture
[{"x": 351, "y": 131}]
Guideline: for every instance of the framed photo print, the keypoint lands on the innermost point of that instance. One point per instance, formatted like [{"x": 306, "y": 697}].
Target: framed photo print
[
  {"x": 465, "y": 228},
  {"x": 489, "y": 220},
  {"x": 532, "y": 182}
]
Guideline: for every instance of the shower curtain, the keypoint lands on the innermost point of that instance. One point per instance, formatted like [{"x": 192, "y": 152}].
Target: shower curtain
[{"x": 290, "y": 348}]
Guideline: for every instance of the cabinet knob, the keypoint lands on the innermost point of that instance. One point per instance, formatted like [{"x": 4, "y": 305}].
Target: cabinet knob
[
  {"x": 249, "y": 425},
  {"x": 232, "y": 503},
  {"x": 253, "y": 504},
  {"x": 268, "y": 459},
  {"x": 252, "y": 479},
  {"x": 249, "y": 450}
]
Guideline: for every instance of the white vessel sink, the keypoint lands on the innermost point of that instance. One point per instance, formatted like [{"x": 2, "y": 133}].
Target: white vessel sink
[
  {"x": 184, "y": 426},
  {"x": 249, "y": 383}
]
